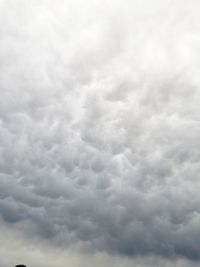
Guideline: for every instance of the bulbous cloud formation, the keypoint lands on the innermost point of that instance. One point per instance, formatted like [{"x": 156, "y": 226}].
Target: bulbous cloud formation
[{"x": 100, "y": 124}]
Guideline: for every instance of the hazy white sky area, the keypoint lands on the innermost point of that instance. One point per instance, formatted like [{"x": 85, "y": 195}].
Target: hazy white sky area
[{"x": 100, "y": 133}]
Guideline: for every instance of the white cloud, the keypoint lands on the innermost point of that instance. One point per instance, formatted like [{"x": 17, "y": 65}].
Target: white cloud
[{"x": 99, "y": 125}]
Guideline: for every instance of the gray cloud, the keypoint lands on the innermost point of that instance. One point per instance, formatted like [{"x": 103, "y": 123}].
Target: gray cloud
[
  {"x": 99, "y": 125},
  {"x": 14, "y": 249}
]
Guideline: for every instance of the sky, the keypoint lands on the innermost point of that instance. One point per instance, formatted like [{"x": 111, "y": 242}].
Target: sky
[{"x": 99, "y": 133}]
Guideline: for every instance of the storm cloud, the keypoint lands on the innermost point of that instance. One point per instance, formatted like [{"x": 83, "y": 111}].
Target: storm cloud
[{"x": 100, "y": 126}]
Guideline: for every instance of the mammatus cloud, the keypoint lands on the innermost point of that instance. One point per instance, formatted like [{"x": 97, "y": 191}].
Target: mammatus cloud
[{"x": 99, "y": 127}]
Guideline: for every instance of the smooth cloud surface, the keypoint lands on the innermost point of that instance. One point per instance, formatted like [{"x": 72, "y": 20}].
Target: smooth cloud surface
[{"x": 99, "y": 125}]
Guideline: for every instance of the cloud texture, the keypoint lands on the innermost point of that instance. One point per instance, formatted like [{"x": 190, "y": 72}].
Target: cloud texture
[{"x": 100, "y": 125}]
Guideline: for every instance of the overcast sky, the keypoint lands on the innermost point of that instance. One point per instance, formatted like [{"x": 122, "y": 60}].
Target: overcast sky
[{"x": 100, "y": 133}]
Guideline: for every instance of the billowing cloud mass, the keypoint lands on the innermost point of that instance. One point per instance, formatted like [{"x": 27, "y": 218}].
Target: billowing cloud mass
[{"x": 100, "y": 127}]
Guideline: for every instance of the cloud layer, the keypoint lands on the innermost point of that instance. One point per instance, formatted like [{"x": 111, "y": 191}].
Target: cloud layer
[{"x": 99, "y": 125}]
